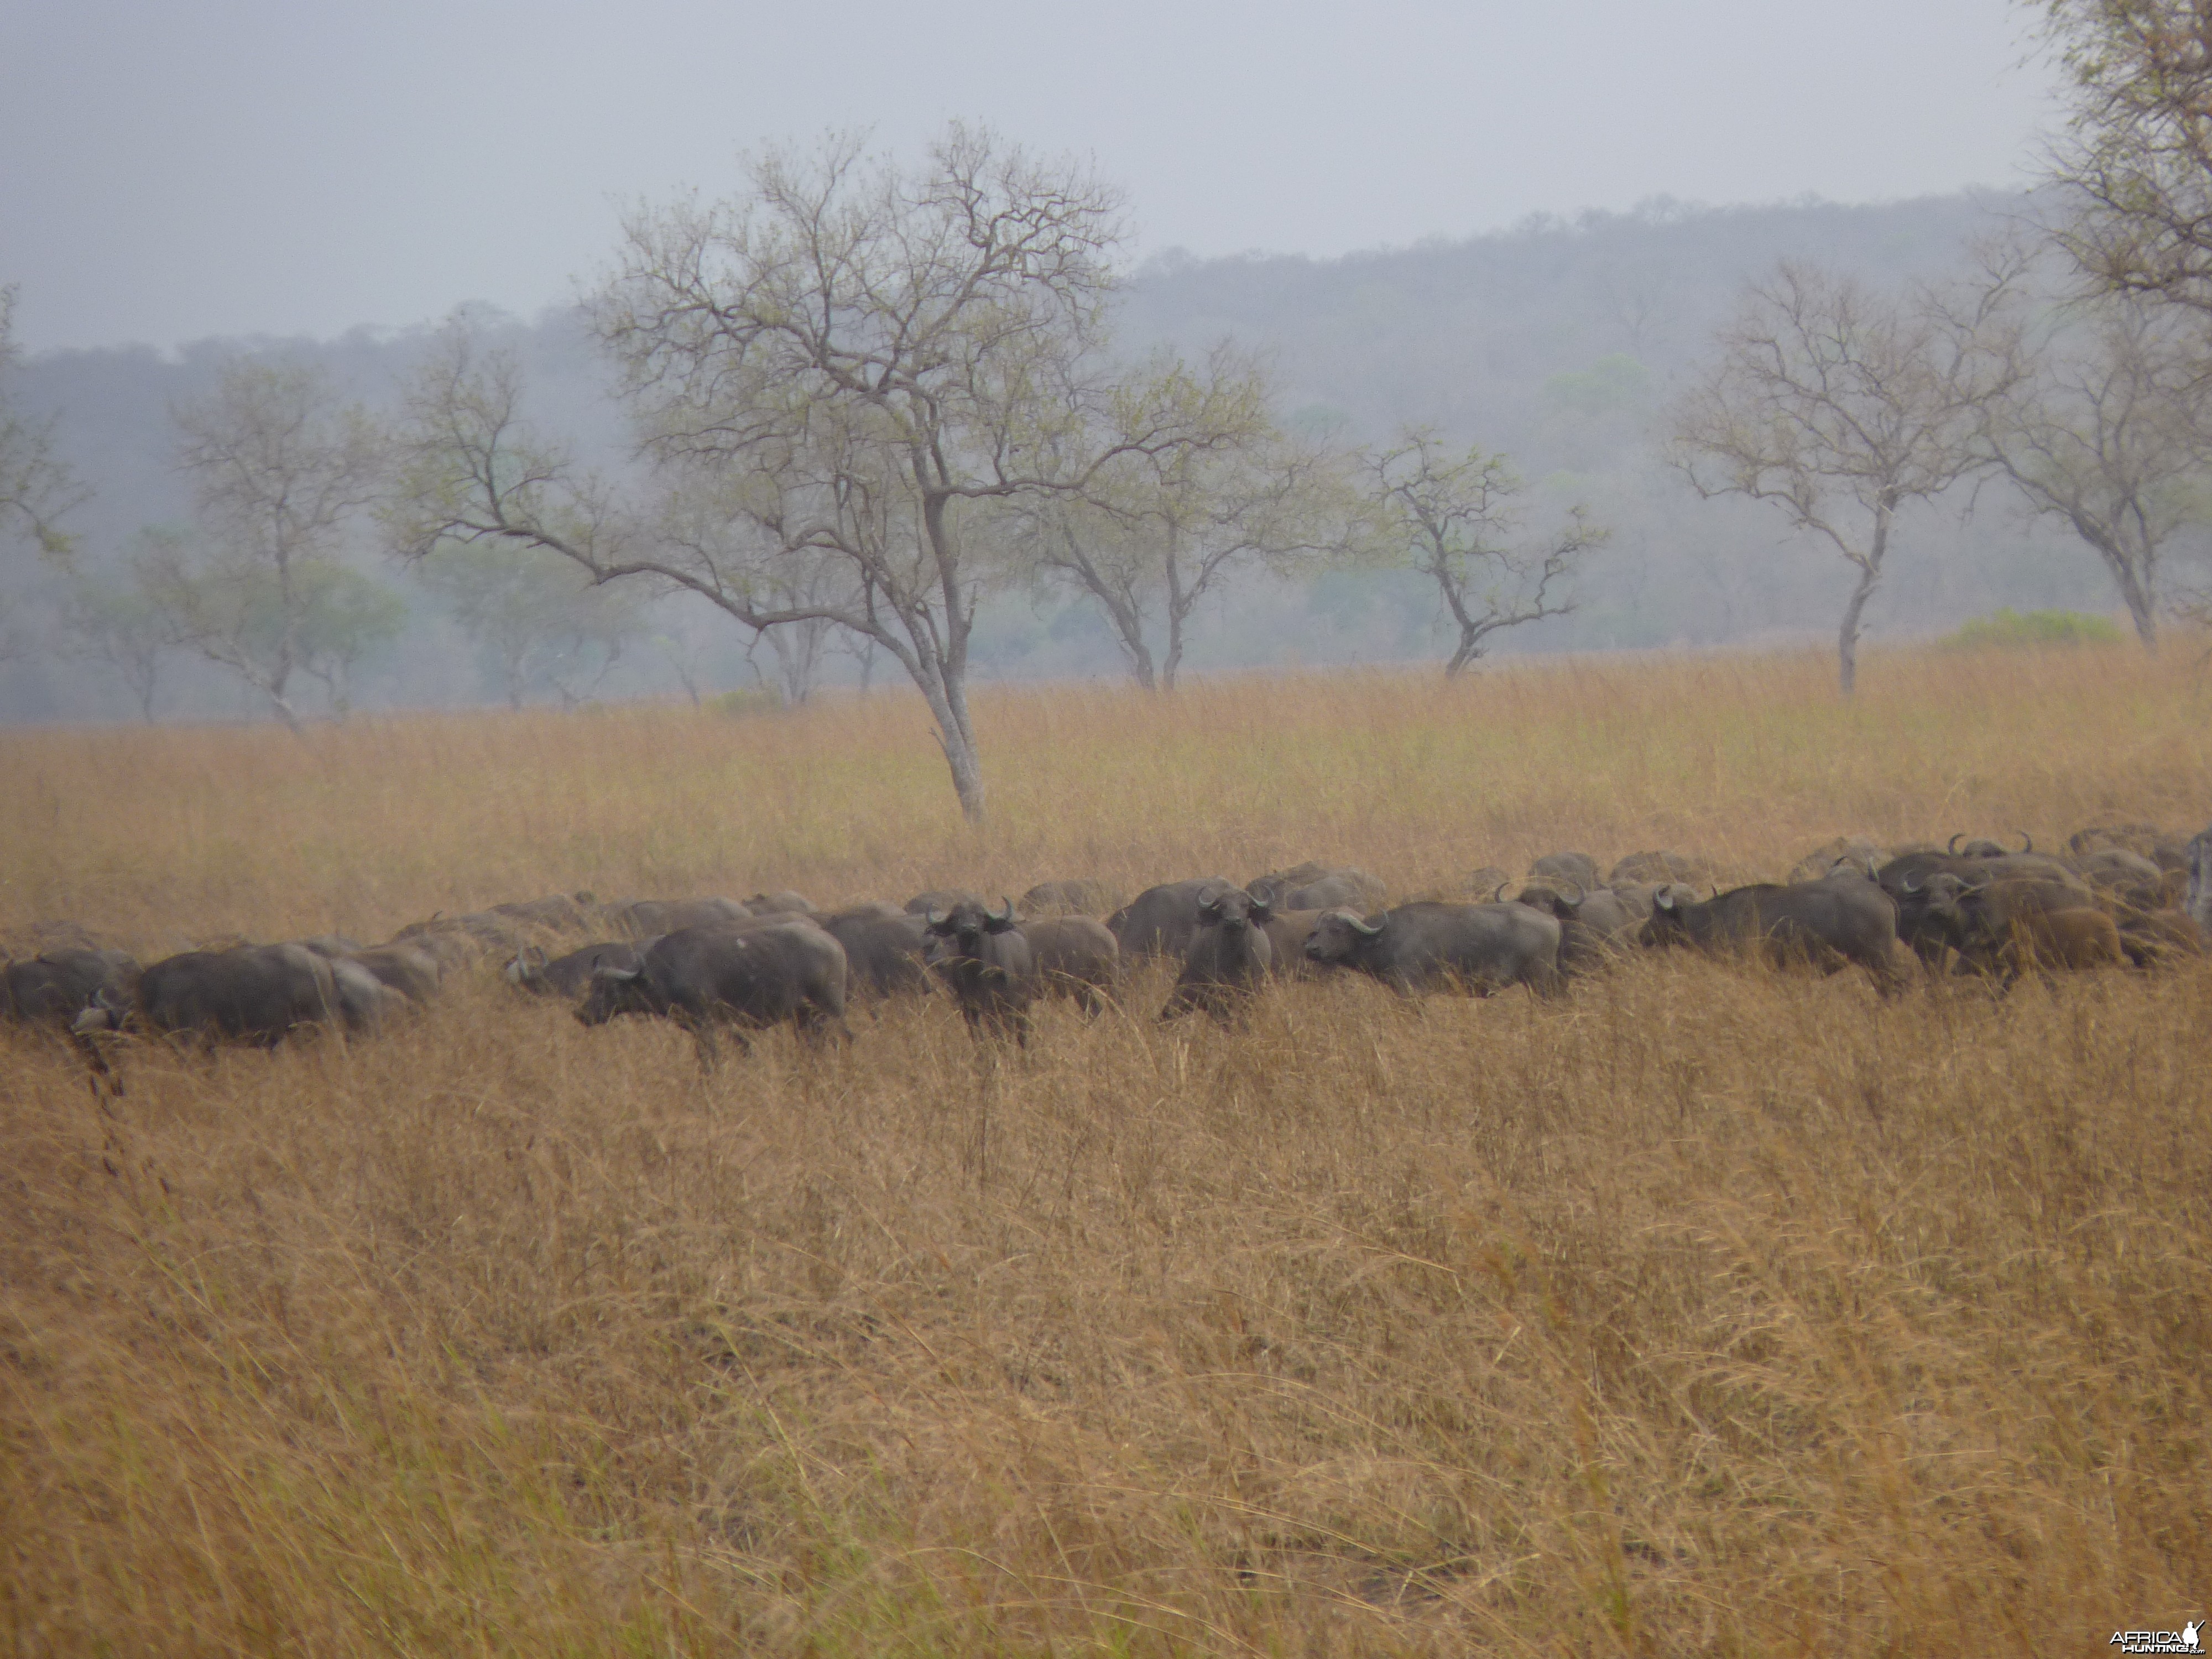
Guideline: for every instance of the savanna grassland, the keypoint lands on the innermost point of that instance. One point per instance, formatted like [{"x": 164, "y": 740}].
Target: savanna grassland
[{"x": 1705, "y": 1310}]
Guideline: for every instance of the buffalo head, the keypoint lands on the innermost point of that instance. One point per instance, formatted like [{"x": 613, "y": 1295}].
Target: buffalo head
[
  {"x": 1338, "y": 935},
  {"x": 615, "y": 991},
  {"x": 965, "y": 925},
  {"x": 1234, "y": 911}
]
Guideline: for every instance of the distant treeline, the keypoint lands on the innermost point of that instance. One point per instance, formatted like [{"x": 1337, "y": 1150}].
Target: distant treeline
[{"x": 1556, "y": 343}]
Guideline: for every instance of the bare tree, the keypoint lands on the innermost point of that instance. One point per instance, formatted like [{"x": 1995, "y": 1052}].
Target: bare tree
[
  {"x": 2109, "y": 435},
  {"x": 279, "y": 467},
  {"x": 1458, "y": 519},
  {"x": 2135, "y": 164},
  {"x": 1160, "y": 531},
  {"x": 873, "y": 364},
  {"x": 1842, "y": 407}
]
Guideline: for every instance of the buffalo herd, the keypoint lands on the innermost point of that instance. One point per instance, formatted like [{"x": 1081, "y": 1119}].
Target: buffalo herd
[{"x": 2118, "y": 896}]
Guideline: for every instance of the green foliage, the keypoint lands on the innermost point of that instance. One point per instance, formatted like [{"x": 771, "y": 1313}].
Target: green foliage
[
  {"x": 2008, "y": 626},
  {"x": 747, "y": 702}
]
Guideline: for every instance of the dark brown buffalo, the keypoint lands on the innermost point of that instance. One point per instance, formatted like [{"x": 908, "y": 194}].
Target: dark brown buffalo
[
  {"x": 986, "y": 961},
  {"x": 1477, "y": 948},
  {"x": 1079, "y": 898},
  {"x": 647, "y": 918},
  {"x": 1227, "y": 960},
  {"x": 1075, "y": 956},
  {"x": 255, "y": 994},
  {"x": 1287, "y": 934},
  {"x": 1827, "y": 924},
  {"x": 569, "y": 976},
  {"x": 885, "y": 954},
  {"x": 707, "y": 979},
  {"x": 53, "y": 988},
  {"x": 1162, "y": 920}
]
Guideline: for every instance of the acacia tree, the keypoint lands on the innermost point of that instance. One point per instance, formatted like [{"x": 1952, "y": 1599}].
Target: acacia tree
[
  {"x": 875, "y": 367},
  {"x": 37, "y": 490},
  {"x": 1458, "y": 518},
  {"x": 2109, "y": 433},
  {"x": 1842, "y": 407},
  {"x": 1162, "y": 530},
  {"x": 2135, "y": 164},
  {"x": 279, "y": 468}
]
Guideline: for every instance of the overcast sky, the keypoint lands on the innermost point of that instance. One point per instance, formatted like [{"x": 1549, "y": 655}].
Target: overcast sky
[{"x": 169, "y": 171}]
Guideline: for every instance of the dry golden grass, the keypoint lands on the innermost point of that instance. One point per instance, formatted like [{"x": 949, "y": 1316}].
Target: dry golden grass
[{"x": 1705, "y": 1311}]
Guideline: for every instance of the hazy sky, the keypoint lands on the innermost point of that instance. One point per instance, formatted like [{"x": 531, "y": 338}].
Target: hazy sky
[{"x": 169, "y": 171}]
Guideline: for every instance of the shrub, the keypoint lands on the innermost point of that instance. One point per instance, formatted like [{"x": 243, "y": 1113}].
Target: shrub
[
  {"x": 746, "y": 702},
  {"x": 2008, "y": 626}
]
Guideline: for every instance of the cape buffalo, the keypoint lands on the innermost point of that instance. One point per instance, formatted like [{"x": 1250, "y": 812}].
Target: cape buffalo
[
  {"x": 939, "y": 898},
  {"x": 1075, "y": 956},
  {"x": 982, "y": 956},
  {"x": 1429, "y": 945},
  {"x": 568, "y": 975},
  {"x": 1310, "y": 887},
  {"x": 644, "y": 918},
  {"x": 2001, "y": 926},
  {"x": 1161, "y": 922},
  {"x": 1227, "y": 960},
  {"x": 1596, "y": 927},
  {"x": 1847, "y": 852},
  {"x": 2152, "y": 937},
  {"x": 1657, "y": 867},
  {"x": 883, "y": 954},
  {"x": 1287, "y": 933},
  {"x": 560, "y": 911},
  {"x": 256, "y": 993},
  {"x": 364, "y": 1001},
  {"x": 1577, "y": 869},
  {"x": 706, "y": 977},
  {"x": 1825, "y": 923},
  {"x": 1081, "y": 897},
  {"x": 785, "y": 903},
  {"x": 55, "y": 986},
  {"x": 408, "y": 967}
]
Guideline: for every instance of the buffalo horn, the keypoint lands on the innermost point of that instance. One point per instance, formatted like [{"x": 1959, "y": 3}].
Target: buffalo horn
[
  {"x": 1499, "y": 892},
  {"x": 1911, "y": 884},
  {"x": 2027, "y": 841},
  {"x": 1005, "y": 915},
  {"x": 1370, "y": 928},
  {"x": 938, "y": 919},
  {"x": 1951, "y": 845},
  {"x": 1663, "y": 899},
  {"x": 620, "y": 976},
  {"x": 1576, "y": 902}
]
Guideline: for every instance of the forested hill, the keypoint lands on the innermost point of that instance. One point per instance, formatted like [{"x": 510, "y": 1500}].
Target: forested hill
[{"x": 1557, "y": 342}]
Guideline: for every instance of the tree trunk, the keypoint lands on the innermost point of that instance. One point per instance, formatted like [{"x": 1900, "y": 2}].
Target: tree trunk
[
  {"x": 1470, "y": 647},
  {"x": 1847, "y": 639},
  {"x": 2141, "y": 598}
]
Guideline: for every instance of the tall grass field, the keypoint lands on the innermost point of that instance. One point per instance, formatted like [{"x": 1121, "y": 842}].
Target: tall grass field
[{"x": 1706, "y": 1309}]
